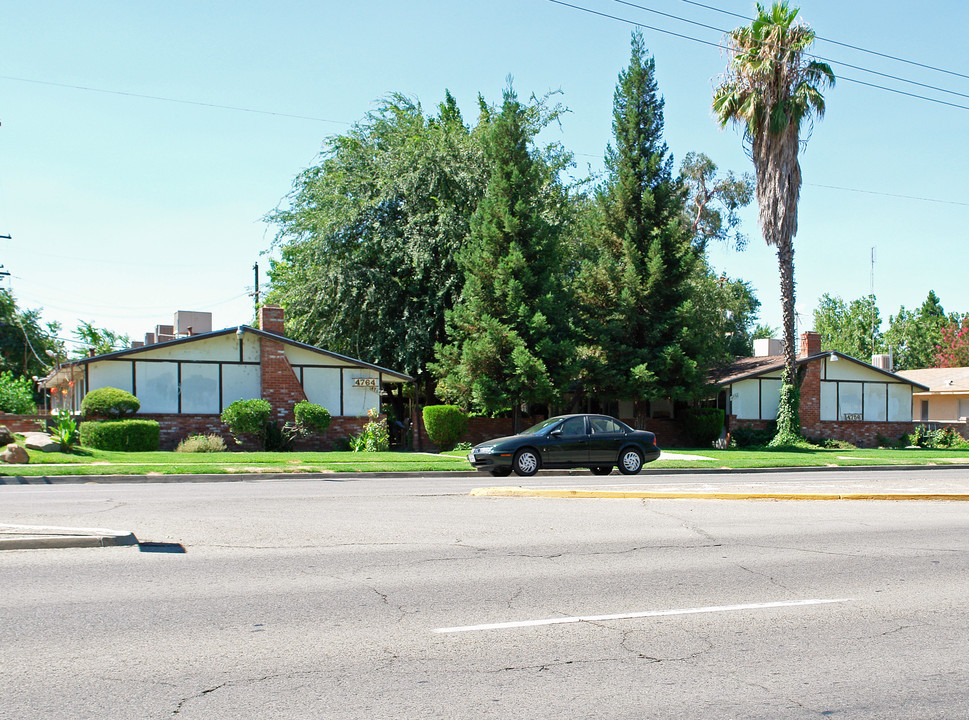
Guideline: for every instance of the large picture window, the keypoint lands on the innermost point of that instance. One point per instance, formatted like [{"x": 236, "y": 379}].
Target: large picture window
[{"x": 868, "y": 401}]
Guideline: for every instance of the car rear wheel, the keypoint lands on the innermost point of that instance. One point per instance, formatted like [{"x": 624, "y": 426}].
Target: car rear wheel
[
  {"x": 526, "y": 462},
  {"x": 501, "y": 472},
  {"x": 601, "y": 470},
  {"x": 630, "y": 462}
]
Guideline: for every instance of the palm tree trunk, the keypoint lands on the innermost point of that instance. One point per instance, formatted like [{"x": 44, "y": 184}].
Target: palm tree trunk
[{"x": 785, "y": 263}]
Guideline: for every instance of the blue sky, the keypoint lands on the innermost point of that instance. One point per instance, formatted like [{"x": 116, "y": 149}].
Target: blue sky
[{"x": 124, "y": 209}]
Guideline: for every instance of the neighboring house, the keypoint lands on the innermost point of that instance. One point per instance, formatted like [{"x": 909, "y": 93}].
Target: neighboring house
[
  {"x": 946, "y": 397},
  {"x": 842, "y": 398},
  {"x": 186, "y": 382}
]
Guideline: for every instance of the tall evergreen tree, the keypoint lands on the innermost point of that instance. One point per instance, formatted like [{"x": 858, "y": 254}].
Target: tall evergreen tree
[
  {"x": 508, "y": 335},
  {"x": 633, "y": 282}
]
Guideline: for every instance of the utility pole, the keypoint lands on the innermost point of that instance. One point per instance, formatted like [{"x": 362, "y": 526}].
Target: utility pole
[
  {"x": 4, "y": 273},
  {"x": 255, "y": 293}
]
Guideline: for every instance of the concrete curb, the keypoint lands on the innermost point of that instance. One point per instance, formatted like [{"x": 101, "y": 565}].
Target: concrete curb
[
  {"x": 339, "y": 476},
  {"x": 688, "y": 495},
  {"x": 34, "y": 537}
]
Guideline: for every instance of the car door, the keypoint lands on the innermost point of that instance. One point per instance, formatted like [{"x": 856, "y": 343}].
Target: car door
[
  {"x": 568, "y": 444},
  {"x": 606, "y": 438}
]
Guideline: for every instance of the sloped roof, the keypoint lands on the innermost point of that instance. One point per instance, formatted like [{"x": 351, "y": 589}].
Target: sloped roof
[
  {"x": 940, "y": 380},
  {"x": 393, "y": 374},
  {"x": 750, "y": 367}
]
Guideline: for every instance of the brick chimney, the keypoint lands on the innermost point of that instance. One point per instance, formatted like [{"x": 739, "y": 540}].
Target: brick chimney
[
  {"x": 810, "y": 344},
  {"x": 271, "y": 319},
  {"x": 280, "y": 385}
]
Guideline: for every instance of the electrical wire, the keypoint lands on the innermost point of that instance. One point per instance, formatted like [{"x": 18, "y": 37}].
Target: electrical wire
[
  {"x": 718, "y": 45},
  {"x": 172, "y": 100},
  {"x": 841, "y": 44},
  {"x": 887, "y": 76}
]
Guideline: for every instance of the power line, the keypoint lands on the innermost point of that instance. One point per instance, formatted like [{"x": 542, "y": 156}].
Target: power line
[
  {"x": 891, "y": 195},
  {"x": 172, "y": 100},
  {"x": 719, "y": 46},
  {"x": 888, "y": 76},
  {"x": 841, "y": 44}
]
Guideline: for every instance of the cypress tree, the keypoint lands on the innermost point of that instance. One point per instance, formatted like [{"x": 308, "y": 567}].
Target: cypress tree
[
  {"x": 634, "y": 281},
  {"x": 508, "y": 337}
]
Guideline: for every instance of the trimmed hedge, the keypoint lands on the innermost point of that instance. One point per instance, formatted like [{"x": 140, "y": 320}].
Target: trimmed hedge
[
  {"x": 124, "y": 435},
  {"x": 109, "y": 402},
  {"x": 704, "y": 425},
  {"x": 311, "y": 416},
  {"x": 445, "y": 424},
  {"x": 247, "y": 417}
]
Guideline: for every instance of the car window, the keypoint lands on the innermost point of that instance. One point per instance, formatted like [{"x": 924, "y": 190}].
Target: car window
[
  {"x": 574, "y": 426},
  {"x": 604, "y": 425}
]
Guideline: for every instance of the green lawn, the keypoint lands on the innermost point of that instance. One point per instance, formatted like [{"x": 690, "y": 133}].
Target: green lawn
[{"x": 101, "y": 462}]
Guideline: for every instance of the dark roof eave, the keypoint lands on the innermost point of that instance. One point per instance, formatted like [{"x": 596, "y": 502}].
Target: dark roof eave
[
  {"x": 401, "y": 377},
  {"x": 801, "y": 360}
]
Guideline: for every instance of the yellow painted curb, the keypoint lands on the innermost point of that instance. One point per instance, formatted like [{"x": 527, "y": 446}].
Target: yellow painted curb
[{"x": 686, "y": 495}]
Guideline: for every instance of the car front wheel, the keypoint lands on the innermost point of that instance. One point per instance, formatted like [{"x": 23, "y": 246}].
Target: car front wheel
[
  {"x": 526, "y": 463},
  {"x": 630, "y": 462}
]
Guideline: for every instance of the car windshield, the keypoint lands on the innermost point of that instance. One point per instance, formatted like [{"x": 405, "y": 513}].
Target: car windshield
[{"x": 544, "y": 425}]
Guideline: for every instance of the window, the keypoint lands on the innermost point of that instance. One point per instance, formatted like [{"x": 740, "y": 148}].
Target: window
[
  {"x": 604, "y": 425},
  {"x": 574, "y": 426}
]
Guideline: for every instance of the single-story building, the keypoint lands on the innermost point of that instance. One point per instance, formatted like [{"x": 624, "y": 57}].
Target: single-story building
[
  {"x": 186, "y": 382},
  {"x": 946, "y": 398},
  {"x": 842, "y": 398}
]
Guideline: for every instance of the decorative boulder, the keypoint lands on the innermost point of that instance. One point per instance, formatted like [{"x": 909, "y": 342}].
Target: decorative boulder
[
  {"x": 41, "y": 441},
  {"x": 6, "y": 437},
  {"x": 15, "y": 455}
]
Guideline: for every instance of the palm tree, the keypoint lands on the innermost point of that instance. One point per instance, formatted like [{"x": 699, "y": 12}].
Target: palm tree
[{"x": 772, "y": 88}]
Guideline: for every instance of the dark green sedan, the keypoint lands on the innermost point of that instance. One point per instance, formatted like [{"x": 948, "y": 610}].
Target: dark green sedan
[{"x": 598, "y": 442}]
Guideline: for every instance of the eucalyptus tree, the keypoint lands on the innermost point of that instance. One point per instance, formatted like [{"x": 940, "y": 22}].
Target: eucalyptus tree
[
  {"x": 772, "y": 89},
  {"x": 714, "y": 202},
  {"x": 369, "y": 236}
]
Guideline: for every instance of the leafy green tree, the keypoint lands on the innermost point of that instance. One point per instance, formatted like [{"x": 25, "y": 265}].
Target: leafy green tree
[
  {"x": 724, "y": 312},
  {"x": 772, "y": 88},
  {"x": 508, "y": 336},
  {"x": 912, "y": 337},
  {"x": 100, "y": 340},
  {"x": 24, "y": 341},
  {"x": 369, "y": 240},
  {"x": 851, "y": 328},
  {"x": 632, "y": 284},
  {"x": 713, "y": 203},
  {"x": 16, "y": 394}
]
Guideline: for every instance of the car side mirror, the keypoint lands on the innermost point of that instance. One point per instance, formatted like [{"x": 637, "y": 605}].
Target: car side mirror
[{"x": 557, "y": 432}]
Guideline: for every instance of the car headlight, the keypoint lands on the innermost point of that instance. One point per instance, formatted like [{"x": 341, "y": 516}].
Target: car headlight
[{"x": 483, "y": 449}]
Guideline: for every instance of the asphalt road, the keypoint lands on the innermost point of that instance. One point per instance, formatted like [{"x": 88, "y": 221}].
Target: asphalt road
[{"x": 410, "y": 599}]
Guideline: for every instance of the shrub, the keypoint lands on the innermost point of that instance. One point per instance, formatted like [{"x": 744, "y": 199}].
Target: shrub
[
  {"x": 704, "y": 425},
  {"x": 311, "y": 417},
  {"x": 445, "y": 424},
  {"x": 124, "y": 435},
  {"x": 16, "y": 394},
  {"x": 64, "y": 431},
  {"x": 375, "y": 436},
  {"x": 109, "y": 403},
  {"x": 751, "y": 437},
  {"x": 247, "y": 417},
  {"x": 201, "y": 444}
]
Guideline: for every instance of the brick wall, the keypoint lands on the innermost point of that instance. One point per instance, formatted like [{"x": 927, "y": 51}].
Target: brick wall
[
  {"x": 23, "y": 423},
  {"x": 280, "y": 386},
  {"x": 669, "y": 433},
  {"x": 175, "y": 428}
]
